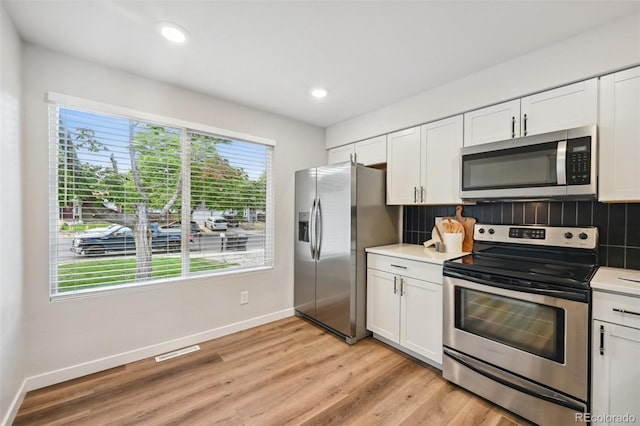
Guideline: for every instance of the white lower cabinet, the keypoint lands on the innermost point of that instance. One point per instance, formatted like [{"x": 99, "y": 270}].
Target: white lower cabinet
[
  {"x": 421, "y": 318},
  {"x": 405, "y": 310},
  {"x": 615, "y": 359},
  {"x": 383, "y": 304}
]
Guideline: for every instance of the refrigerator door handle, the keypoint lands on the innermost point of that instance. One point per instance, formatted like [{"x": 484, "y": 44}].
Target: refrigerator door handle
[
  {"x": 311, "y": 225},
  {"x": 318, "y": 236}
]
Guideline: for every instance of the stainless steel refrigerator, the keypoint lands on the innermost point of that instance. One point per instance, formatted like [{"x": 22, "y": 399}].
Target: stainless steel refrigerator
[{"x": 340, "y": 211}]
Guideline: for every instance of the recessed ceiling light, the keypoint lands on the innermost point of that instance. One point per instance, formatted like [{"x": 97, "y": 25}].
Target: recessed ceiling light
[
  {"x": 319, "y": 92},
  {"x": 172, "y": 32}
]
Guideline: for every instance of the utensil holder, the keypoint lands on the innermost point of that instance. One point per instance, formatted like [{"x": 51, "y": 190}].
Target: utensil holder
[{"x": 453, "y": 242}]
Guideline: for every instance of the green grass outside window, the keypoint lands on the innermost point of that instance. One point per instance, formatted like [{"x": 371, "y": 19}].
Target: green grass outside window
[{"x": 99, "y": 273}]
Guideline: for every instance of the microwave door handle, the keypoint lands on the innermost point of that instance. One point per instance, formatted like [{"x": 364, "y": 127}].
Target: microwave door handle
[{"x": 561, "y": 163}]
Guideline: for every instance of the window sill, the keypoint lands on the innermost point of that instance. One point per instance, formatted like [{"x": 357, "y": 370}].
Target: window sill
[{"x": 151, "y": 285}]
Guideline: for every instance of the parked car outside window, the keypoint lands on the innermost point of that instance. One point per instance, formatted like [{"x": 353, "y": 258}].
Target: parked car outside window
[
  {"x": 231, "y": 220},
  {"x": 216, "y": 223},
  {"x": 194, "y": 227}
]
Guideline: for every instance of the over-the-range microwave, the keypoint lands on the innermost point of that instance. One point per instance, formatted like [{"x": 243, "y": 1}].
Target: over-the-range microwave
[{"x": 560, "y": 164}]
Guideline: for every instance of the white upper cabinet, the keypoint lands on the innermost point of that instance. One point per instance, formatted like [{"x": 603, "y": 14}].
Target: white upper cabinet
[
  {"x": 367, "y": 152},
  {"x": 341, "y": 154},
  {"x": 442, "y": 141},
  {"x": 566, "y": 107},
  {"x": 423, "y": 163},
  {"x": 494, "y": 123},
  {"x": 404, "y": 165},
  {"x": 574, "y": 105},
  {"x": 372, "y": 151},
  {"x": 619, "y": 174}
]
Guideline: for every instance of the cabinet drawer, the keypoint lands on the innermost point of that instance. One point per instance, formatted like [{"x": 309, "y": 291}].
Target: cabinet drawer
[
  {"x": 409, "y": 268},
  {"x": 605, "y": 303}
]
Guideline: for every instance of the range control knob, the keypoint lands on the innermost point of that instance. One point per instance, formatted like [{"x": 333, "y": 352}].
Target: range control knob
[
  {"x": 583, "y": 236},
  {"x": 481, "y": 231},
  {"x": 491, "y": 231},
  {"x": 568, "y": 235}
]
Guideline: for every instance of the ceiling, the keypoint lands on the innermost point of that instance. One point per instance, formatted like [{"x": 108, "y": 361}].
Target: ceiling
[{"x": 269, "y": 54}]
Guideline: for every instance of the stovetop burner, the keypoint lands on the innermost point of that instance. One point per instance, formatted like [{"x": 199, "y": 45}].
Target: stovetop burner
[{"x": 565, "y": 266}]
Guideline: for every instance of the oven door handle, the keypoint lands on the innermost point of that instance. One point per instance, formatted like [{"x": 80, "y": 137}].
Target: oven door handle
[
  {"x": 512, "y": 381},
  {"x": 577, "y": 295}
]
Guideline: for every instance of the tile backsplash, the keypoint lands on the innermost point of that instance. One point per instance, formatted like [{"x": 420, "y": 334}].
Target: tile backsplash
[{"x": 618, "y": 224}]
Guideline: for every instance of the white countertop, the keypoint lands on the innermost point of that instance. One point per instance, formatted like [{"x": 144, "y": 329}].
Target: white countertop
[
  {"x": 609, "y": 279},
  {"x": 414, "y": 252}
]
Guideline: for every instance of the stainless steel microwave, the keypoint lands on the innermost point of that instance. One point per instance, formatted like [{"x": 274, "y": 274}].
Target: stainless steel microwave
[{"x": 560, "y": 164}]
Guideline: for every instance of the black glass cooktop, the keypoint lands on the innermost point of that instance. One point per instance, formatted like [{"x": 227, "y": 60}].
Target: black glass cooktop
[{"x": 564, "y": 268}]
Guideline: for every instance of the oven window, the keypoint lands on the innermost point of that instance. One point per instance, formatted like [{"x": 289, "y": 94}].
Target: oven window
[
  {"x": 531, "y": 327},
  {"x": 520, "y": 167}
]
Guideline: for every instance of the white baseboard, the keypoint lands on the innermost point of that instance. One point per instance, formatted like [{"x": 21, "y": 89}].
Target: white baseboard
[
  {"x": 15, "y": 405},
  {"x": 90, "y": 367}
]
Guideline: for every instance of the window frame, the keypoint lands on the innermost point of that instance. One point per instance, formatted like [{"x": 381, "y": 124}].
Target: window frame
[{"x": 187, "y": 128}]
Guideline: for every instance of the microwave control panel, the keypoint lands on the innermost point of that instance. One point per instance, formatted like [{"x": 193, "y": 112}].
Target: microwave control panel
[{"x": 579, "y": 161}]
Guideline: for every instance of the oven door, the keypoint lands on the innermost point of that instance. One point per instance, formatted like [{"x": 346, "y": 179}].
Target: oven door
[{"x": 533, "y": 334}]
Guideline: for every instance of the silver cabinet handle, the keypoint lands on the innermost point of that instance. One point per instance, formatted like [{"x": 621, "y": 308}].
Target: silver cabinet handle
[
  {"x": 525, "y": 124},
  {"x": 602, "y": 340},
  {"x": 398, "y": 266},
  {"x": 513, "y": 127},
  {"x": 622, "y": 311},
  {"x": 401, "y": 286},
  {"x": 395, "y": 284},
  {"x": 415, "y": 194},
  {"x": 421, "y": 194}
]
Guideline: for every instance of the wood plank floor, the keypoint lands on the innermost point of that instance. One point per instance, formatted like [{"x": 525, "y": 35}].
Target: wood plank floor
[{"x": 287, "y": 372}]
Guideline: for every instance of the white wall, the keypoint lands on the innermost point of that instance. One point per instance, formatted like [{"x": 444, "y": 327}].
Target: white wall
[
  {"x": 596, "y": 52},
  {"x": 68, "y": 333},
  {"x": 12, "y": 329}
]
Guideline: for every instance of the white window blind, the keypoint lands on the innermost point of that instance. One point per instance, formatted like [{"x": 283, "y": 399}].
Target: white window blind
[{"x": 137, "y": 202}]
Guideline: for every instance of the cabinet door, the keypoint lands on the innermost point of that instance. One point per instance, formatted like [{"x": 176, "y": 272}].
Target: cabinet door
[
  {"x": 615, "y": 372},
  {"x": 421, "y": 321},
  {"x": 442, "y": 142},
  {"x": 619, "y": 175},
  {"x": 341, "y": 154},
  {"x": 372, "y": 151},
  {"x": 569, "y": 106},
  {"x": 494, "y": 123},
  {"x": 403, "y": 167},
  {"x": 383, "y": 304}
]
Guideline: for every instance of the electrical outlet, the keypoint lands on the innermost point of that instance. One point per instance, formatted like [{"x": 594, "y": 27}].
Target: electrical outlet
[{"x": 244, "y": 297}]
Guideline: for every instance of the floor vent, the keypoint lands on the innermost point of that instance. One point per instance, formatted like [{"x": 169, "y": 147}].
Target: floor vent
[{"x": 177, "y": 353}]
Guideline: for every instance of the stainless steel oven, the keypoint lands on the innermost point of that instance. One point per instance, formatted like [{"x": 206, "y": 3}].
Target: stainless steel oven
[
  {"x": 516, "y": 319},
  {"x": 560, "y": 164}
]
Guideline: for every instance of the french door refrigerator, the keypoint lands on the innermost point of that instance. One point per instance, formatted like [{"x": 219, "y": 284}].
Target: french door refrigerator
[{"x": 340, "y": 211}]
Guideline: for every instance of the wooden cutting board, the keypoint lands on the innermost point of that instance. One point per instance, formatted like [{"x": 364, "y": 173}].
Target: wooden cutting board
[{"x": 468, "y": 224}]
